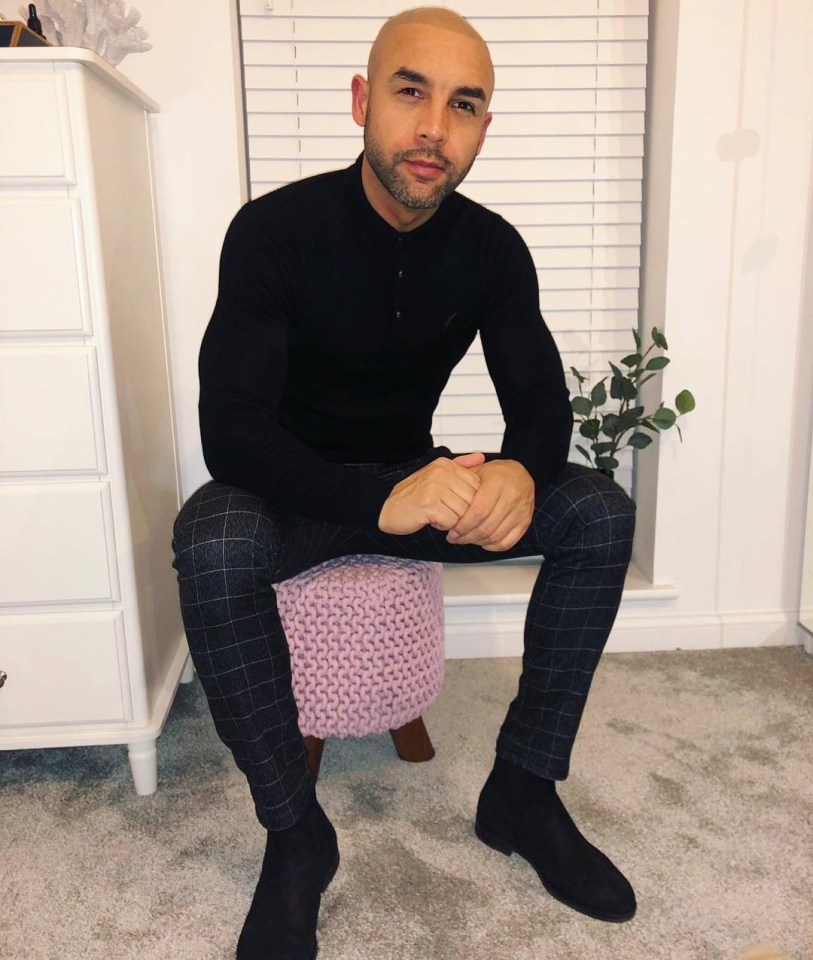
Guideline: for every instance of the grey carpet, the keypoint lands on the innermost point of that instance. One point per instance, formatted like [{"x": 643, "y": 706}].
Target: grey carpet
[{"x": 693, "y": 770}]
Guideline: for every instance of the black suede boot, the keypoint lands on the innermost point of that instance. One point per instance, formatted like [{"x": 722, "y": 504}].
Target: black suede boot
[
  {"x": 298, "y": 866},
  {"x": 521, "y": 813}
]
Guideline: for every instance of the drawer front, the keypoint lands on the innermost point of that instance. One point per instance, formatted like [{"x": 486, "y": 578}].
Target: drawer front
[
  {"x": 56, "y": 543},
  {"x": 50, "y": 413},
  {"x": 61, "y": 669},
  {"x": 44, "y": 283},
  {"x": 36, "y": 145}
]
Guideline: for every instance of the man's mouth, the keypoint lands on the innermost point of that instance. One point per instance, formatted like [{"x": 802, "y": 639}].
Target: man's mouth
[{"x": 425, "y": 168}]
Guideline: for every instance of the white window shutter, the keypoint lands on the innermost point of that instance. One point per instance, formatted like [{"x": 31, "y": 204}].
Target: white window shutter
[{"x": 563, "y": 159}]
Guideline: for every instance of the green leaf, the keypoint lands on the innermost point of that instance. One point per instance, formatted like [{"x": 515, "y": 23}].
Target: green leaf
[
  {"x": 581, "y": 406},
  {"x": 657, "y": 363},
  {"x": 577, "y": 375},
  {"x": 605, "y": 446},
  {"x": 627, "y": 420},
  {"x": 684, "y": 402},
  {"x": 610, "y": 425},
  {"x": 628, "y": 390},
  {"x": 664, "y": 418},
  {"x": 659, "y": 339},
  {"x": 632, "y": 360},
  {"x": 585, "y": 454},
  {"x": 606, "y": 463},
  {"x": 617, "y": 388},
  {"x": 616, "y": 371},
  {"x": 639, "y": 441},
  {"x": 637, "y": 337},
  {"x": 649, "y": 425},
  {"x": 599, "y": 393},
  {"x": 589, "y": 429}
]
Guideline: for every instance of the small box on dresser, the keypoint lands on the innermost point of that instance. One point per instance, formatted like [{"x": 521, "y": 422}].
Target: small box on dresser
[{"x": 91, "y": 643}]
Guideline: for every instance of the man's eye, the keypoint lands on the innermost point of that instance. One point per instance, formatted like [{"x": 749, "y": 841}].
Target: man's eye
[
  {"x": 410, "y": 92},
  {"x": 465, "y": 106}
]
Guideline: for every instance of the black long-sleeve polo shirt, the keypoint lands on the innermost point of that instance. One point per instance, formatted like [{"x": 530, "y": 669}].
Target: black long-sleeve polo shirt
[{"x": 334, "y": 334}]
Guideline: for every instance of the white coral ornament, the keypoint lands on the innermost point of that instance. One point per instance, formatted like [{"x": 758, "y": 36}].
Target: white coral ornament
[{"x": 99, "y": 25}]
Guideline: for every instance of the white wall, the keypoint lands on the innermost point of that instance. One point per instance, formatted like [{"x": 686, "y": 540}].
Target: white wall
[
  {"x": 726, "y": 282},
  {"x": 730, "y": 184}
]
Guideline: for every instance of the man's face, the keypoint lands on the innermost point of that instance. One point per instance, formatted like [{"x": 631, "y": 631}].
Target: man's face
[{"x": 424, "y": 112}]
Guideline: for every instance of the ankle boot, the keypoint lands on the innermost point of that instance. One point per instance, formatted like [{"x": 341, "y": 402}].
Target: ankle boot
[
  {"x": 298, "y": 865},
  {"x": 521, "y": 813}
]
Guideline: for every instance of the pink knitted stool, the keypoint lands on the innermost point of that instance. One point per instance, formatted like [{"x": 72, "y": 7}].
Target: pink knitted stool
[{"x": 367, "y": 650}]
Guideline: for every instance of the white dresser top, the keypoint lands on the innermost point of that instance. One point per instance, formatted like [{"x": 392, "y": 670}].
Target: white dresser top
[{"x": 86, "y": 58}]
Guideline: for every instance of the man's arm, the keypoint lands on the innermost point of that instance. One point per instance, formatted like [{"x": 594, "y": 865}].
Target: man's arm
[
  {"x": 525, "y": 365},
  {"x": 527, "y": 372},
  {"x": 242, "y": 365}
]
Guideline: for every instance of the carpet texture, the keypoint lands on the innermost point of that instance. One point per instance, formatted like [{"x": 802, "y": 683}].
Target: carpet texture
[{"x": 692, "y": 770}]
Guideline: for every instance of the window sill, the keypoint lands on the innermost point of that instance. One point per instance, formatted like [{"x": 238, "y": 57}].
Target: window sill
[{"x": 482, "y": 584}]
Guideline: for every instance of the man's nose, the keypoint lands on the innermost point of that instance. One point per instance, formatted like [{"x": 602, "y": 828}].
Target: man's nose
[{"x": 433, "y": 125}]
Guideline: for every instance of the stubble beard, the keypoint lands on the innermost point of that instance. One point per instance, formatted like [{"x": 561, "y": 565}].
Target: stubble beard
[{"x": 397, "y": 185}]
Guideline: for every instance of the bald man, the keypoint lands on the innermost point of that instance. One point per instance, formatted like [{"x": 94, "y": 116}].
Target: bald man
[{"x": 344, "y": 302}]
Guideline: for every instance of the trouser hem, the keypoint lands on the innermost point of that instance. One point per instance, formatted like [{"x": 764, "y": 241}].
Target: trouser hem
[{"x": 548, "y": 768}]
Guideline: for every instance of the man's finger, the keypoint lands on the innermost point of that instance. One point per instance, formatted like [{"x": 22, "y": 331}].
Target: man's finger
[
  {"x": 442, "y": 518},
  {"x": 457, "y": 501},
  {"x": 470, "y": 460},
  {"x": 448, "y": 471},
  {"x": 511, "y": 539},
  {"x": 480, "y": 510}
]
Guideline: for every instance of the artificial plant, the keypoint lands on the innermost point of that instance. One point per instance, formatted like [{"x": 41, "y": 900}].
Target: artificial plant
[{"x": 625, "y": 423}]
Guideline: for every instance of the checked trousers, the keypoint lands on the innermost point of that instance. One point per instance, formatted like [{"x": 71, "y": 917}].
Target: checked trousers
[{"x": 231, "y": 547}]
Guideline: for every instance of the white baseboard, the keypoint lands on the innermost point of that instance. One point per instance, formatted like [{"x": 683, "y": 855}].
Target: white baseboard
[{"x": 480, "y": 623}]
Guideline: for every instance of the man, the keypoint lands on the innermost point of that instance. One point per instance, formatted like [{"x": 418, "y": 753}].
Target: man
[{"x": 344, "y": 302}]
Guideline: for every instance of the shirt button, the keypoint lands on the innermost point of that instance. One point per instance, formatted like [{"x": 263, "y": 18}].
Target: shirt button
[
  {"x": 400, "y": 274},
  {"x": 397, "y": 314}
]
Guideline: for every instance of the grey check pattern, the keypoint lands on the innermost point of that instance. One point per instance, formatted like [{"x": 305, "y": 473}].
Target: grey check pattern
[{"x": 231, "y": 547}]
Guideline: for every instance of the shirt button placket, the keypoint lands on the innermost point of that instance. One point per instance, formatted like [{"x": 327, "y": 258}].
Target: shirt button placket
[{"x": 399, "y": 273}]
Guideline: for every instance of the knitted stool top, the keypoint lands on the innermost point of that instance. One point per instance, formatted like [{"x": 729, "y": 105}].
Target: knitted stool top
[{"x": 366, "y": 641}]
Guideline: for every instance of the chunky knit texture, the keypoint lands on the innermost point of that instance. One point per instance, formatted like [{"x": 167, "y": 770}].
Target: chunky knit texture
[{"x": 366, "y": 641}]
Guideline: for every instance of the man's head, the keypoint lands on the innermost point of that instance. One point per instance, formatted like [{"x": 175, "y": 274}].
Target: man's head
[{"x": 424, "y": 107}]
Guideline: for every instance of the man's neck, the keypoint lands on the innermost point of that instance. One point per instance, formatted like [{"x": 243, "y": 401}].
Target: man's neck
[{"x": 404, "y": 219}]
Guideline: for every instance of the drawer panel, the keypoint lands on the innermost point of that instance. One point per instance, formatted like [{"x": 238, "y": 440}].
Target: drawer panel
[
  {"x": 56, "y": 543},
  {"x": 49, "y": 410},
  {"x": 45, "y": 284},
  {"x": 62, "y": 668},
  {"x": 35, "y": 147}
]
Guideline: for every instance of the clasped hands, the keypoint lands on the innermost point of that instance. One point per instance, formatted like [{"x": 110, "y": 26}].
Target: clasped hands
[{"x": 488, "y": 504}]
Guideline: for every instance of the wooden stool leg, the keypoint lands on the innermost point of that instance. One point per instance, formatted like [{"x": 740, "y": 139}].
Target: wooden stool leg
[
  {"x": 314, "y": 746},
  {"x": 412, "y": 742}
]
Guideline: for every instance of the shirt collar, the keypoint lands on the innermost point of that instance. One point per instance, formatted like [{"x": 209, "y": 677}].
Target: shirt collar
[{"x": 362, "y": 206}]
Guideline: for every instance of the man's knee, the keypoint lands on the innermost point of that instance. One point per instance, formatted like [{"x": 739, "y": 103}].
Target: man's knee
[
  {"x": 592, "y": 502},
  {"x": 224, "y": 528},
  {"x": 604, "y": 500}
]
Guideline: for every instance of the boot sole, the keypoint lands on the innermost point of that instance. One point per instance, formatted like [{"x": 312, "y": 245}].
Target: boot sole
[{"x": 502, "y": 846}]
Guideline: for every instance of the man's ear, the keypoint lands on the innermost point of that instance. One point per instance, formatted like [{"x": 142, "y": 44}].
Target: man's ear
[
  {"x": 360, "y": 90},
  {"x": 481, "y": 141}
]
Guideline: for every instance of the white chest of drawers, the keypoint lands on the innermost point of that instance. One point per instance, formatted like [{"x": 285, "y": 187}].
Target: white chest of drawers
[{"x": 91, "y": 643}]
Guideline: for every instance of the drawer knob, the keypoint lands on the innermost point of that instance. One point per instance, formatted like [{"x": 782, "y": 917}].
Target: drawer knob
[{"x": 3, "y": 677}]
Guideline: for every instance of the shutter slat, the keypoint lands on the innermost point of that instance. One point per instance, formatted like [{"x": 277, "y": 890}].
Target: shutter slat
[
  {"x": 535, "y": 29},
  {"x": 496, "y": 148},
  {"x": 518, "y": 101}
]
